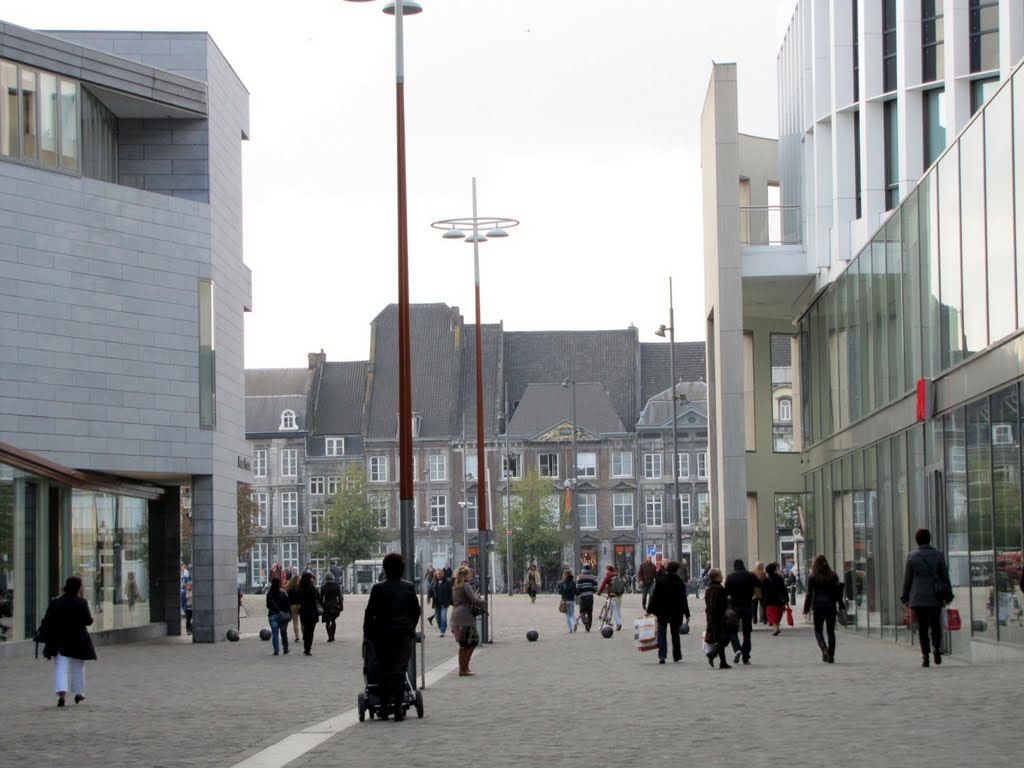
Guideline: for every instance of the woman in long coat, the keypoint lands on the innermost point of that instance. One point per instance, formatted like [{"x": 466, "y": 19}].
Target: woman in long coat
[
  {"x": 464, "y": 601},
  {"x": 716, "y": 602},
  {"x": 309, "y": 600},
  {"x": 68, "y": 641}
]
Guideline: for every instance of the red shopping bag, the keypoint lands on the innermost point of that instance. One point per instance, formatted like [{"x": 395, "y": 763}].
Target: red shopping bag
[
  {"x": 951, "y": 618},
  {"x": 789, "y": 616}
]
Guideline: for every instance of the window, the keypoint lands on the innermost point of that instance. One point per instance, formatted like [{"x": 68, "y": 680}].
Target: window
[
  {"x": 260, "y": 566},
  {"x": 332, "y": 485},
  {"x": 319, "y": 566},
  {"x": 1002, "y": 434},
  {"x": 785, "y": 410},
  {"x": 259, "y": 463},
  {"x": 378, "y": 469},
  {"x": 652, "y": 466},
  {"x": 39, "y": 124},
  {"x": 334, "y": 446},
  {"x": 586, "y": 464},
  {"x": 888, "y": 45},
  {"x": 622, "y": 510},
  {"x": 511, "y": 466},
  {"x": 858, "y": 208},
  {"x": 682, "y": 465},
  {"x": 703, "y": 507},
  {"x": 932, "y": 43},
  {"x": 685, "y": 517},
  {"x": 379, "y": 503},
  {"x": 470, "y": 469},
  {"x": 288, "y": 420},
  {"x": 933, "y": 106},
  {"x": 207, "y": 357},
  {"x": 622, "y": 464},
  {"x": 316, "y": 520},
  {"x": 472, "y": 512},
  {"x": 437, "y": 466},
  {"x": 981, "y": 90},
  {"x": 290, "y": 556},
  {"x": 262, "y": 500},
  {"x": 892, "y": 156},
  {"x": 856, "y": 53},
  {"x": 984, "y": 27},
  {"x": 316, "y": 486},
  {"x": 702, "y": 464},
  {"x": 290, "y": 509},
  {"x": 548, "y": 463},
  {"x": 439, "y": 510},
  {"x": 586, "y": 507},
  {"x": 653, "y": 510},
  {"x": 289, "y": 462}
]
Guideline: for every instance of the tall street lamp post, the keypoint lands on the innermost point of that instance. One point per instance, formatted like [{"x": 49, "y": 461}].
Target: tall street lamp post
[
  {"x": 570, "y": 482},
  {"x": 454, "y": 230},
  {"x": 675, "y": 420}
]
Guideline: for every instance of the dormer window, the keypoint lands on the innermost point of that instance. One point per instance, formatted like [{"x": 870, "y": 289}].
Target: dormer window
[{"x": 288, "y": 420}]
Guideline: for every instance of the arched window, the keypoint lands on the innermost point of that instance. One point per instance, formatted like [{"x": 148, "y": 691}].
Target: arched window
[
  {"x": 288, "y": 420},
  {"x": 785, "y": 409}
]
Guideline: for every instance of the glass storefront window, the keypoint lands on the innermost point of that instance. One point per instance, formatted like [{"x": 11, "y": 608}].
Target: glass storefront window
[
  {"x": 894, "y": 307},
  {"x": 910, "y": 284},
  {"x": 999, "y": 224},
  {"x": 979, "y": 517},
  {"x": 1006, "y": 514},
  {"x": 972, "y": 218},
  {"x": 950, "y": 316},
  {"x": 7, "y": 629}
]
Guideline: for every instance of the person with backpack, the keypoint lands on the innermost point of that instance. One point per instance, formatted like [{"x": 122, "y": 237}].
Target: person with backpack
[
  {"x": 586, "y": 586},
  {"x": 332, "y": 603},
  {"x": 614, "y": 582}
]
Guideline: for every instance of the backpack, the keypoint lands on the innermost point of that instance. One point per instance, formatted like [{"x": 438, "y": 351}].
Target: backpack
[{"x": 618, "y": 585}]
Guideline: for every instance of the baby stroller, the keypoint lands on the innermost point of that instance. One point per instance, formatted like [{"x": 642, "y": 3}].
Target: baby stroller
[{"x": 370, "y": 700}]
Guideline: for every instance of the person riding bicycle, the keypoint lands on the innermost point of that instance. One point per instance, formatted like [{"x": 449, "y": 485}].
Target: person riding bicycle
[
  {"x": 615, "y": 584},
  {"x": 586, "y": 585}
]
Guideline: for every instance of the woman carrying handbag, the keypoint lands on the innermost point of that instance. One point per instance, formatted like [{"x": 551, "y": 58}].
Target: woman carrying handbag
[{"x": 466, "y": 606}]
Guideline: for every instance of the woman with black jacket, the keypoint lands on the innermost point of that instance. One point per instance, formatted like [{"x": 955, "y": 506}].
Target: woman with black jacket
[
  {"x": 823, "y": 591},
  {"x": 67, "y": 639},
  {"x": 333, "y": 604},
  {"x": 309, "y": 613},
  {"x": 716, "y": 602},
  {"x": 279, "y": 614}
]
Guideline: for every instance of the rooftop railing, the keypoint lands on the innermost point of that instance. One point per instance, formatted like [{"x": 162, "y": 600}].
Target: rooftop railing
[{"x": 770, "y": 225}]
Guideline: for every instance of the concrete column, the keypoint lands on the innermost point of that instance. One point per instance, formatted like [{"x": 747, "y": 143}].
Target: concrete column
[{"x": 214, "y": 557}]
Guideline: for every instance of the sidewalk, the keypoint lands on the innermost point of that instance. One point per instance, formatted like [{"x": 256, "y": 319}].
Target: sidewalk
[{"x": 564, "y": 698}]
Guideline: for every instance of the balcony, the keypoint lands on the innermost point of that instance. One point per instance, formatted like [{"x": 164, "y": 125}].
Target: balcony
[{"x": 770, "y": 225}]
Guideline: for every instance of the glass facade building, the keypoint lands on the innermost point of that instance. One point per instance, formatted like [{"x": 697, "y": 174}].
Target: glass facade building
[{"x": 937, "y": 295}]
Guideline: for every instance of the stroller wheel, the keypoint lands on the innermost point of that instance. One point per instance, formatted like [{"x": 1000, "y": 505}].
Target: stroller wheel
[
  {"x": 361, "y": 703},
  {"x": 419, "y": 703}
]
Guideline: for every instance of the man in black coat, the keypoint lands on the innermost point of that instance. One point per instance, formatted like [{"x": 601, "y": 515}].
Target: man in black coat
[
  {"x": 668, "y": 603},
  {"x": 390, "y": 624},
  {"x": 740, "y": 586}
]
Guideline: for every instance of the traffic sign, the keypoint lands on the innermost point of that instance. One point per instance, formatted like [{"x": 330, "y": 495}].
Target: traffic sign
[{"x": 652, "y": 551}]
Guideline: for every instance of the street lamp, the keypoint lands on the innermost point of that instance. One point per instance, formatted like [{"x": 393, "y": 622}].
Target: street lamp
[
  {"x": 454, "y": 230},
  {"x": 675, "y": 419},
  {"x": 570, "y": 483}
]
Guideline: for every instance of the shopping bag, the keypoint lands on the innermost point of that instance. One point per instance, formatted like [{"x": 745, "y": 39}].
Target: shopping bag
[
  {"x": 951, "y": 619},
  {"x": 707, "y": 647},
  {"x": 645, "y": 634},
  {"x": 789, "y": 616}
]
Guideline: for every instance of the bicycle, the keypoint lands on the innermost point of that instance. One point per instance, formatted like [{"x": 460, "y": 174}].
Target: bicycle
[
  {"x": 604, "y": 618},
  {"x": 697, "y": 587}
]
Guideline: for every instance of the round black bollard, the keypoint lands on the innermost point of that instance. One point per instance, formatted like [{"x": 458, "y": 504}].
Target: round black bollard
[
  {"x": 532, "y": 635},
  {"x": 264, "y": 634},
  {"x": 232, "y": 635},
  {"x": 607, "y": 631}
]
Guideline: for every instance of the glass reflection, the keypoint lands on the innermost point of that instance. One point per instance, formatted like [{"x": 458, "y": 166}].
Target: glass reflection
[
  {"x": 972, "y": 216},
  {"x": 979, "y": 517},
  {"x": 1002, "y": 312},
  {"x": 1006, "y": 514}
]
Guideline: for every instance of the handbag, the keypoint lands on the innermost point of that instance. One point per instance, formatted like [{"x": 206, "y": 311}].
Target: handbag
[
  {"x": 731, "y": 621},
  {"x": 561, "y": 606},
  {"x": 789, "y": 616},
  {"x": 842, "y": 616},
  {"x": 684, "y": 628},
  {"x": 951, "y": 619}
]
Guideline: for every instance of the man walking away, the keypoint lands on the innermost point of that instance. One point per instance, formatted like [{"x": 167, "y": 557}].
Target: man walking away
[
  {"x": 586, "y": 586},
  {"x": 668, "y": 602},
  {"x": 740, "y": 586},
  {"x": 645, "y": 577},
  {"x": 926, "y": 588},
  {"x": 442, "y": 599},
  {"x": 616, "y": 586}
]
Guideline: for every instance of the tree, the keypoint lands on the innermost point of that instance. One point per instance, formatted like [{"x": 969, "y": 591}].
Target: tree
[
  {"x": 248, "y": 515},
  {"x": 350, "y": 529},
  {"x": 535, "y": 533}
]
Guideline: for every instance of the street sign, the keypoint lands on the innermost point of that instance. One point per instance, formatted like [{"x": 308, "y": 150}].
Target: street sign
[{"x": 652, "y": 551}]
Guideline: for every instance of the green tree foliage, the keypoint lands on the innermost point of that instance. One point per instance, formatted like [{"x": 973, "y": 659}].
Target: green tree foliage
[
  {"x": 536, "y": 535},
  {"x": 350, "y": 525}
]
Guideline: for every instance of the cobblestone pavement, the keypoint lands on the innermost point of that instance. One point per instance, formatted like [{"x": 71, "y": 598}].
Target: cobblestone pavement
[{"x": 564, "y": 698}]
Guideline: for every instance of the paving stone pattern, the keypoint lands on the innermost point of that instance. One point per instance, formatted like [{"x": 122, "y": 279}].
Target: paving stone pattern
[{"x": 563, "y": 699}]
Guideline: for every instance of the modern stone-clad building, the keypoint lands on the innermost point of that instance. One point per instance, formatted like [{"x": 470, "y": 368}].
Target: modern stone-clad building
[
  {"x": 122, "y": 290},
  {"x": 307, "y": 424}
]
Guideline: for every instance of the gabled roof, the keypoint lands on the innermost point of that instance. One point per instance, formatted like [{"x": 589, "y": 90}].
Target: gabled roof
[
  {"x": 271, "y": 391},
  {"x": 435, "y": 336},
  {"x": 490, "y": 339},
  {"x": 337, "y": 405},
  {"x": 544, "y": 407},
  {"x": 656, "y": 369},
  {"x": 657, "y": 411},
  {"x": 547, "y": 357}
]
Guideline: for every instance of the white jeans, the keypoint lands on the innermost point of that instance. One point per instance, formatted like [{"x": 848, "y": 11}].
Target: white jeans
[
  {"x": 617, "y": 610},
  {"x": 61, "y": 667}
]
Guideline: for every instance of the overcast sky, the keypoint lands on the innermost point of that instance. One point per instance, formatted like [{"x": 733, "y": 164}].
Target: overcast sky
[{"x": 580, "y": 119}]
